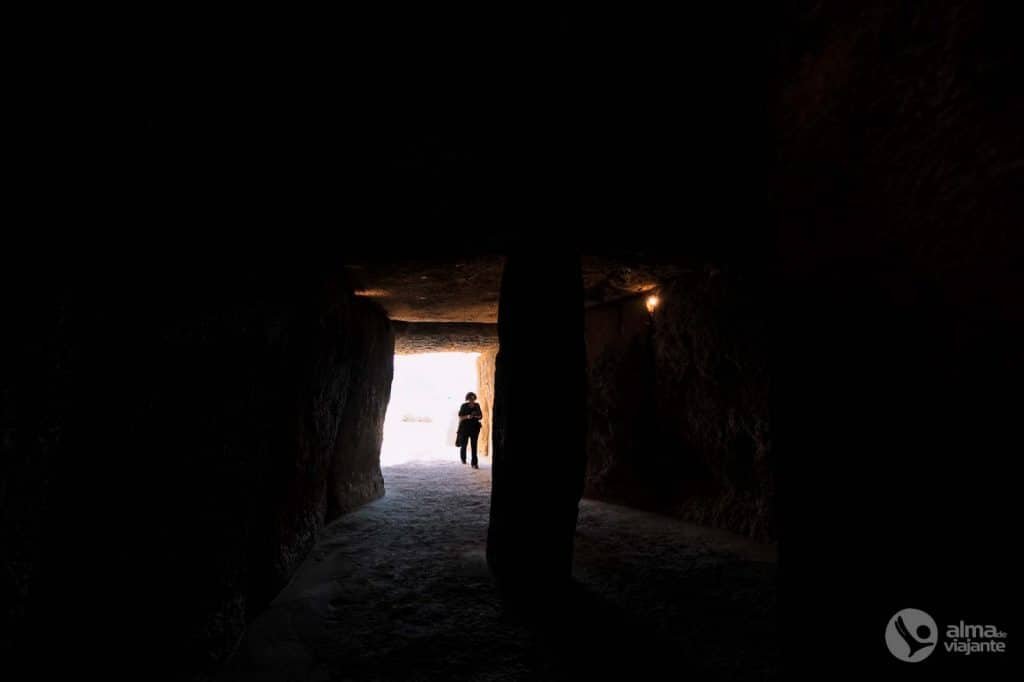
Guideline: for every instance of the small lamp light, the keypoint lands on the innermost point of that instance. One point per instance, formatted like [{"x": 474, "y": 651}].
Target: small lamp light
[{"x": 652, "y": 303}]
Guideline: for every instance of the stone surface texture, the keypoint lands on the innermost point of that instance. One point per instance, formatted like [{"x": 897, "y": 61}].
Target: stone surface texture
[
  {"x": 400, "y": 590},
  {"x": 678, "y": 404},
  {"x": 175, "y": 446}
]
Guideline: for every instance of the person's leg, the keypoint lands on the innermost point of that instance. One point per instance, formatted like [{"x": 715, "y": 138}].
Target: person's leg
[
  {"x": 472, "y": 440},
  {"x": 462, "y": 452}
]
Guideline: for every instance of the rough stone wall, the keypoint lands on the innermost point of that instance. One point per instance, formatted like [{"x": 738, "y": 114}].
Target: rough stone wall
[
  {"x": 620, "y": 400},
  {"x": 897, "y": 353},
  {"x": 355, "y": 468},
  {"x": 485, "y": 370},
  {"x": 172, "y": 443},
  {"x": 444, "y": 337},
  {"x": 678, "y": 402},
  {"x": 712, "y": 387}
]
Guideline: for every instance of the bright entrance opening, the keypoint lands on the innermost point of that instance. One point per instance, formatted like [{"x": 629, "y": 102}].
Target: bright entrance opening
[{"x": 422, "y": 417}]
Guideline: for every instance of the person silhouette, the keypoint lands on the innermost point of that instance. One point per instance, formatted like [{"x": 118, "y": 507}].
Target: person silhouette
[{"x": 470, "y": 416}]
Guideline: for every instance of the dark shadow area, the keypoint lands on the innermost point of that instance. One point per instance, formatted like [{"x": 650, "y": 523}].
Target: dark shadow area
[
  {"x": 579, "y": 633},
  {"x": 726, "y": 628},
  {"x": 193, "y": 371}
]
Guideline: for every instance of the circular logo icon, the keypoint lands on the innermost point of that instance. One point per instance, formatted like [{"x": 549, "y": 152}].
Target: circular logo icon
[{"x": 912, "y": 635}]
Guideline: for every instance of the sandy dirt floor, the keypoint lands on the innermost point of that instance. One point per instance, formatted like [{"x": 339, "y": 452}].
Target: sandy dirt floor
[{"x": 399, "y": 590}]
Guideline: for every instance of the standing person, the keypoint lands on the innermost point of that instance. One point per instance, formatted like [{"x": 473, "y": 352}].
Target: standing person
[{"x": 470, "y": 415}]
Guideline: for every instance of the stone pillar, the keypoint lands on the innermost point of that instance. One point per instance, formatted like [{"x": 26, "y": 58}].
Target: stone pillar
[{"x": 539, "y": 421}]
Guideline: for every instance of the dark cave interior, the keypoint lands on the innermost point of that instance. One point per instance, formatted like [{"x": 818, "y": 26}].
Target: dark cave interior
[{"x": 825, "y": 202}]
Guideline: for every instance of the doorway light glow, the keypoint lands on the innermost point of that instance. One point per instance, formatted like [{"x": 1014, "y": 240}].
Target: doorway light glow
[{"x": 422, "y": 415}]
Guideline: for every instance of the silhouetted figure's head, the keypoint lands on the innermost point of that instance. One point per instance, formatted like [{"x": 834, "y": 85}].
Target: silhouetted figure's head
[{"x": 471, "y": 397}]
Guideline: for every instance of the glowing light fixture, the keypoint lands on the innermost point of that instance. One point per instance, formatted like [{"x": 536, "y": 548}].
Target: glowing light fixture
[{"x": 652, "y": 303}]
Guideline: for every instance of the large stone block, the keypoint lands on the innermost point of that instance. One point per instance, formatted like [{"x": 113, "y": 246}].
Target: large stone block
[{"x": 539, "y": 420}]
